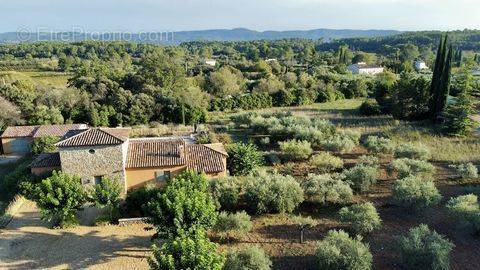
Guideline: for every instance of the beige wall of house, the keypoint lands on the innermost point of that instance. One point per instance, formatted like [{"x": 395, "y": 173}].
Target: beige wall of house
[
  {"x": 20, "y": 145},
  {"x": 89, "y": 162},
  {"x": 139, "y": 177}
]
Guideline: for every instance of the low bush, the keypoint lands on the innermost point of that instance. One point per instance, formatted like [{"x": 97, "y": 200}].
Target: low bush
[
  {"x": 187, "y": 251},
  {"x": 425, "y": 249},
  {"x": 243, "y": 158},
  {"x": 339, "y": 143},
  {"x": 326, "y": 162},
  {"x": 226, "y": 192},
  {"x": 361, "y": 218},
  {"x": 466, "y": 171},
  {"x": 296, "y": 150},
  {"x": 327, "y": 189},
  {"x": 361, "y": 177},
  {"x": 251, "y": 258},
  {"x": 370, "y": 107},
  {"x": 379, "y": 145},
  {"x": 371, "y": 161},
  {"x": 137, "y": 199},
  {"x": 351, "y": 134},
  {"x": 466, "y": 209},
  {"x": 405, "y": 167},
  {"x": 340, "y": 252},
  {"x": 415, "y": 192},
  {"x": 230, "y": 225},
  {"x": 106, "y": 194},
  {"x": 272, "y": 193},
  {"x": 412, "y": 151}
]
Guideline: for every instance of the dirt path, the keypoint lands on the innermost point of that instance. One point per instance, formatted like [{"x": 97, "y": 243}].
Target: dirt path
[{"x": 28, "y": 243}]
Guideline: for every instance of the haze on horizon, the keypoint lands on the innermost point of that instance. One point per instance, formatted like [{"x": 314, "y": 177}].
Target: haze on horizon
[{"x": 163, "y": 15}]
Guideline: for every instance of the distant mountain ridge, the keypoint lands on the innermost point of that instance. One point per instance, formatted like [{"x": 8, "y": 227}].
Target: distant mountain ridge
[{"x": 237, "y": 34}]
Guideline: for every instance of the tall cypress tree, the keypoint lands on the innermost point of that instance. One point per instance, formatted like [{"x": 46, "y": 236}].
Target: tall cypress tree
[{"x": 440, "y": 86}]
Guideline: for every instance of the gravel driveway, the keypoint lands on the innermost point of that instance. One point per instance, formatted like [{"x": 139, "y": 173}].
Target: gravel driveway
[{"x": 28, "y": 243}]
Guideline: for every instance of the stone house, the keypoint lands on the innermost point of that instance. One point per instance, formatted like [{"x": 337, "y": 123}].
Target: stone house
[
  {"x": 108, "y": 152},
  {"x": 17, "y": 140}
]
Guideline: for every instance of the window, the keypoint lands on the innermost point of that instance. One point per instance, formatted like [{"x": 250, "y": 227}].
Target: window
[
  {"x": 91, "y": 151},
  {"x": 162, "y": 175},
  {"x": 97, "y": 179}
]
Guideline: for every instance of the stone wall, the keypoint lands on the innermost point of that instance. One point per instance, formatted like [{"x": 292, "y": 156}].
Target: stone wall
[{"x": 90, "y": 161}]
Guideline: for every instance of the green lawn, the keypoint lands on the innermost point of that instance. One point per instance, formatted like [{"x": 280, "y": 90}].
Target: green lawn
[{"x": 40, "y": 78}]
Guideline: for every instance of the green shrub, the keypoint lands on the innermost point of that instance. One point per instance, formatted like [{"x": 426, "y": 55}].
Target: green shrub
[
  {"x": 338, "y": 143},
  {"x": 412, "y": 151},
  {"x": 184, "y": 205},
  {"x": 425, "y": 249},
  {"x": 415, "y": 192},
  {"x": 351, "y": 134},
  {"x": 361, "y": 218},
  {"x": 243, "y": 158},
  {"x": 340, "y": 252},
  {"x": 106, "y": 194},
  {"x": 379, "y": 145},
  {"x": 251, "y": 258},
  {"x": 296, "y": 150},
  {"x": 187, "y": 251},
  {"x": 466, "y": 171},
  {"x": 326, "y": 162},
  {"x": 137, "y": 199},
  {"x": 327, "y": 189},
  {"x": 45, "y": 144},
  {"x": 59, "y": 197},
  {"x": 371, "y": 161},
  {"x": 467, "y": 210},
  {"x": 405, "y": 167},
  {"x": 272, "y": 193},
  {"x": 370, "y": 107},
  {"x": 226, "y": 192},
  {"x": 361, "y": 177},
  {"x": 229, "y": 224}
]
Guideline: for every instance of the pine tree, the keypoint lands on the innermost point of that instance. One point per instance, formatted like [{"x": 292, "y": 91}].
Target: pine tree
[{"x": 457, "y": 116}]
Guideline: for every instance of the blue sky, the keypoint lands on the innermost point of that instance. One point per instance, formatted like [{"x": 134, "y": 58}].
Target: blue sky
[{"x": 175, "y": 15}]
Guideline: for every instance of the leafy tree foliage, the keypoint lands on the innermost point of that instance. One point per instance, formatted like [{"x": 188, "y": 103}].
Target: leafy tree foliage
[
  {"x": 361, "y": 218},
  {"x": 193, "y": 251},
  {"x": 243, "y": 158},
  {"x": 106, "y": 194},
  {"x": 252, "y": 258},
  {"x": 327, "y": 189},
  {"x": 45, "y": 144},
  {"x": 415, "y": 192},
  {"x": 272, "y": 193},
  {"x": 422, "y": 248},
  {"x": 338, "y": 251},
  {"x": 184, "y": 206},
  {"x": 59, "y": 197}
]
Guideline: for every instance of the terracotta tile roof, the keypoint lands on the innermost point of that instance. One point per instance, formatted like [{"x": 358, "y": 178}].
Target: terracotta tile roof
[
  {"x": 205, "y": 158},
  {"x": 155, "y": 153},
  {"x": 92, "y": 137},
  {"x": 46, "y": 160},
  {"x": 40, "y": 130},
  {"x": 19, "y": 131},
  {"x": 56, "y": 130}
]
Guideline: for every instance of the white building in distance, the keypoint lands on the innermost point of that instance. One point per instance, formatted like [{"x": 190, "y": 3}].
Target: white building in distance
[
  {"x": 363, "y": 68},
  {"x": 211, "y": 62},
  {"x": 420, "y": 65}
]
